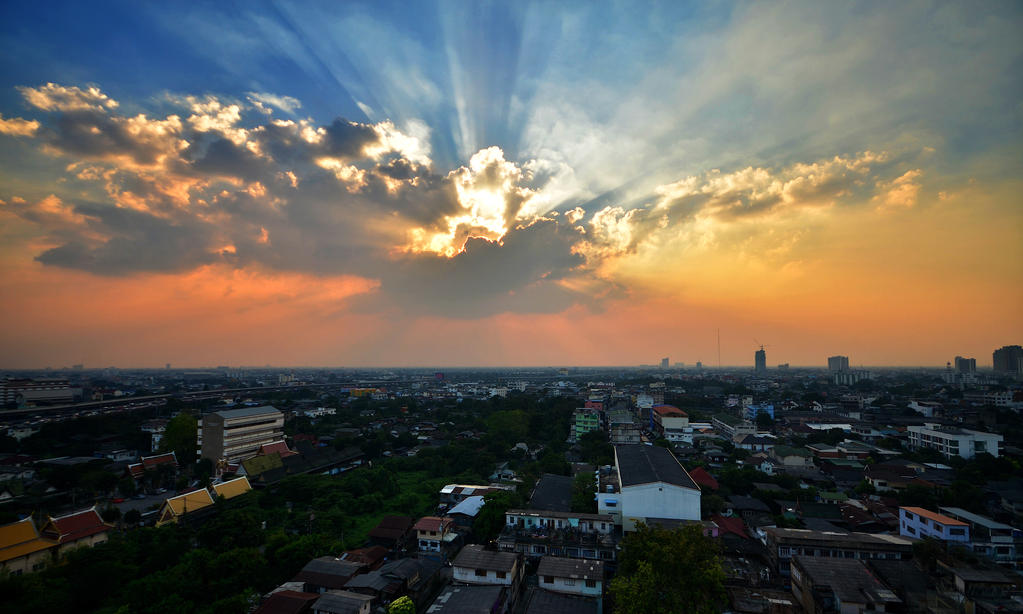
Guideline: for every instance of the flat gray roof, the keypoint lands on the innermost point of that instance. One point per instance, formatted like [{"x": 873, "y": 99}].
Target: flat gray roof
[
  {"x": 247, "y": 411},
  {"x": 643, "y": 464}
]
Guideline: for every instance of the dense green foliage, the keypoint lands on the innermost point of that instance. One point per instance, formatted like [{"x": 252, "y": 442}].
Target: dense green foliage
[{"x": 663, "y": 572}]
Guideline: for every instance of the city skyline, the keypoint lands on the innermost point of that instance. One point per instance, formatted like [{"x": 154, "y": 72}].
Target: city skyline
[{"x": 376, "y": 184}]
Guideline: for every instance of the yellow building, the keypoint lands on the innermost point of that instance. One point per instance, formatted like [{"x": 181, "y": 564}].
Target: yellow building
[
  {"x": 232, "y": 488},
  {"x": 176, "y": 507},
  {"x": 23, "y": 549}
]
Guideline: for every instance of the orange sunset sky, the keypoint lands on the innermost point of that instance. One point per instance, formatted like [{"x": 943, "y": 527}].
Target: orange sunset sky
[{"x": 460, "y": 184}]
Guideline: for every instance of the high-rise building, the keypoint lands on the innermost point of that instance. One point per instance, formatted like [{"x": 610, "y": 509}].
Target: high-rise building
[
  {"x": 237, "y": 434},
  {"x": 966, "y": 365},
  {"x": 838, "y": 363},
  {"x": 664, "y": 363},
  {"x": 1008, "y": 359},
  {"x": 760, "y": 359}
]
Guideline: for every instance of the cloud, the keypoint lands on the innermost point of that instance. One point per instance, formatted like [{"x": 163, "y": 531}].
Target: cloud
[
  {"x": 53, "y": 97},
  {"x": 220, "y": 183},
  {"x": 262, "y": 100},
  {"x": 901, "y": 192},
  {"x": 16, "y": 126}
]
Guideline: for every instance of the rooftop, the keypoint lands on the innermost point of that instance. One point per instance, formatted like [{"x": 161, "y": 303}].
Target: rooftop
[
  {"x": 467, "y": 600},
  {"x": 935, "y": 517},
  {"x": 246, "y": 412},
  {"x": 850, "y": 579},
  {"x": 474, "y": 556},
  {"x": 642, "y": 464},
  {"x": 552, "y": 492},
  {"x": 579, "y": 569}
]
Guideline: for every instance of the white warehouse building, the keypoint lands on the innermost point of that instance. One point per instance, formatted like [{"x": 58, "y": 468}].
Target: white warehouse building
[{"x": 647, "y": 483}]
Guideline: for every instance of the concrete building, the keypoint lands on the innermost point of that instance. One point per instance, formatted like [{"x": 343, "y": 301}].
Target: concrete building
[
  {"x": 838, "y": 363},
  {"x": 21, "y": 391},
  {"x": 760, "y": 361},
  {"x": 995, "y": 540},
  {"x": 1008, "y": 360},
  {"x": 477, "y": 565},
  {"x": 647, "y": 482},
  {"x": 918, "y": 523},
  {"x": 671, "y": 423},
  {"x": 584, "y": 420},
  {"x": 954, "y": 441},
  {"x": 565, "y": 534},
  {"x": 965, "y": 365},
  {"x": 237, "y": 434},
  {"x": 572, "y": 576},
  {"x": 783, "y": 544},
  {"x": 823, "y": 585}
]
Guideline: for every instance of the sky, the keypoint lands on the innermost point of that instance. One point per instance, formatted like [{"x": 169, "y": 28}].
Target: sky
[{"x": 509, "y": 183}]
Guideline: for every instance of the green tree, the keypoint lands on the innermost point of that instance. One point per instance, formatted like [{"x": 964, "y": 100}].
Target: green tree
[
  {"x": 402, "y": 605},
  {"x": 180, "y": 438},
  {"x": 490, "y": 519},
  {"x": 662, "y": 572},
  {"x": 583, "y": 493}
]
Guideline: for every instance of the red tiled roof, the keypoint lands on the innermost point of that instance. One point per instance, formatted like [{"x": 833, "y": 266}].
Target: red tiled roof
[
  {"x": 288, "y": 602},
  {"x": 734, "y": 526},
  {"x": 279, "y": 447},
  {"x": 936, "y": 517},
  {"x": 669, "y": 410},
  {"x": 149, "y": 462},
  {"x": 701, "y": 477},
  {"x": 432, "y": 523},
  {"x": 79, "y": 525}
]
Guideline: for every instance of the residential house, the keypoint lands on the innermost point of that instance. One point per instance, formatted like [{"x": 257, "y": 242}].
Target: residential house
[
  {"x": 474, "y": 599},
  {"x": 789, "y": 456},
  {"x": 416, "y": 578},
  {"x": 581, "y": 577},
  {"x": 288, "y": 602},
  {"x": 328, "y": 573},
  {"x": 392, "y": 532},
  {"x": 435, "y": 534},
  {"x": 546, "y": 602},
  {"x": 464, "y": 513},
  {"x": 343, "y": 602},
  {"x": 477, "y": 565},
  {"x": 756, "y": 443}
]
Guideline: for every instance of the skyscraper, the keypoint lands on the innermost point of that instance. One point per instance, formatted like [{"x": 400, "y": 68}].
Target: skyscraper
[
  {"x": 838, "y": 363},
  {"x": 664, "y": 363},
  {"x": 1008, "y": 359},
  {"x": 760, "y": 358},
  {"x": 966, "y": 365}
]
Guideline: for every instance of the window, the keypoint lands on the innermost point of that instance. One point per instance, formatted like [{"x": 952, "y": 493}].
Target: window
[
  {"x": 591, "y": 584},
  {"x": 548, "y": 579},
  {"x": 481, "y": 573},
  {"x": 610, "y": 503},
  {"x": 957, "y": 531},
  {"x": 501, "y": 575},
  {"x": 569, "y": 582}
]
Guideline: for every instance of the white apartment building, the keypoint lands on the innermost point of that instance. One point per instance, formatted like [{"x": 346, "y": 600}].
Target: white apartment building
[
  {"x": 995, "y": 540},
  {"x": 953, "y": 441},
  {"x": 237, "y": 434},
  {"x": 918, "y": 523}
]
